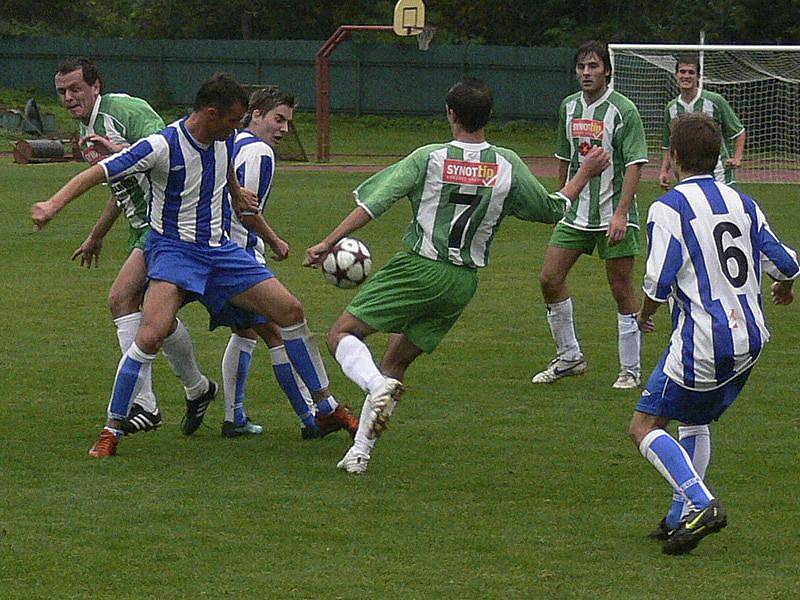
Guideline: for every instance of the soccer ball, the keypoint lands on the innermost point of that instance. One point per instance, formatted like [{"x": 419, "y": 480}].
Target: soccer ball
[{"x": 348, "y": 263}]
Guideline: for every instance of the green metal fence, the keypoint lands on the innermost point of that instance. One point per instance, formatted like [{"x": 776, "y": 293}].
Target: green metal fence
[{"x": 366, "y": 78}]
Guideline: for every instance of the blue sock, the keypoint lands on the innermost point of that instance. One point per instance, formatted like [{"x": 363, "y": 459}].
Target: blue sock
[
  {"x": 304, "y": 356},
  {"x": 242, "y": 373},
  {"x": 130, "y": 374},
  {"x": 671, "y": 460},
  {"x": 285, "y": 378},
  {"x": 675, "y": 511},
  {"x": 327, "y": 406}
]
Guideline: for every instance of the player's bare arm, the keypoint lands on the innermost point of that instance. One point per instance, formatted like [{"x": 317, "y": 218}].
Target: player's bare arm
[
  {"x": 594, "y": 163},
  {"x": 103, "y": 142},
  {"x": 93, "y": 244},
  {"x": 665, "y": 176},
  {"x": 258, "y": 224},
  {"x": 738, "y": 151},
  {"x": 352, "y": 222},
  {"x": 618, "y": 227},
  {"x": 44, "y": 212},
  {"x": 644, "y": 316}
]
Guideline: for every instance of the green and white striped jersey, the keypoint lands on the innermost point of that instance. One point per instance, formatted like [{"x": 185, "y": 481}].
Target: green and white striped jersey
[
  {"x": 124, "y": 120},
  {"x": 613, "y": 122},
  {"x": 459, "y": 192},
  {"x": 716, "y": 107}
]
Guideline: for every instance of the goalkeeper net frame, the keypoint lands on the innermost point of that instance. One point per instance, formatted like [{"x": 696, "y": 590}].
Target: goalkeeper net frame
[{"x": 761, "y": 83}]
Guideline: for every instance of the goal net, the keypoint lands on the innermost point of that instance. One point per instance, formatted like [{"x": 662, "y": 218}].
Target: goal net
[{"x": 761, "y": 83}]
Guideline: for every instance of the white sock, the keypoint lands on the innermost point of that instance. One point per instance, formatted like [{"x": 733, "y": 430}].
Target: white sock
[
  {"x": 562, "y": 326},
  {"x": 127, "y": 327},
  {"x": 231, "y": 372},
  {"x": 357, "y": 363},
  {"x": 362, "y": 443},
  {"x": 179, "y": 350},
  {"x": 630, "y": 342},
  {"x": 698, "y": 450}
]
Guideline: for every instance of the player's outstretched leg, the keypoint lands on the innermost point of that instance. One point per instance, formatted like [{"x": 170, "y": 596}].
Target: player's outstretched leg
[{"x": 235, "y": 372}]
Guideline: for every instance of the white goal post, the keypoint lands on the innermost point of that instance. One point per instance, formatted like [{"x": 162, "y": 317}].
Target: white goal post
[{"x": 761, "y": 83}]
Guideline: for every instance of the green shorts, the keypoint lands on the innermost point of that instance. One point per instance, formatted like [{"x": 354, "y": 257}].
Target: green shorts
[
  {"x": 137, "y": 238},
  {"x": 568, "y": 237},
  {"x": 416, "y": 296}
]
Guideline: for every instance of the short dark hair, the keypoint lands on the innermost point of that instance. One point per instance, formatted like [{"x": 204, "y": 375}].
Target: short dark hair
[
  {"x": 599, "y": 49},
  {"x": 696, "y": 139},
  {"x": 472, "y": 101},
  {"x": 89, "y": 71},
  {"x": 688, "y": 59},
  {"x": 222, "y": 91},
  {"x": 265, "y": 99}
]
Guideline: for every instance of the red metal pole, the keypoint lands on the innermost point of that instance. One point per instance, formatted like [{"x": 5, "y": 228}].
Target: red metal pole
[{"x": 324, "y": 85}]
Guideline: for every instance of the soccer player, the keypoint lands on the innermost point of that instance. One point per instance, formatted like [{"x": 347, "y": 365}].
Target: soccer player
[
  {"x": 188, "y": 254},
  {"x": 269, "y": 114},
  {"x": 108, "y": 123},
  {"x": 693, "y": 99},
  {"x": 459, "y": 192},
  {"x": 605, "y": 215},
  {"x": 708, "y": 246}
]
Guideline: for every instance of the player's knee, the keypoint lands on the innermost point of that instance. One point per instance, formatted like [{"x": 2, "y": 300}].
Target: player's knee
[
  {"x": 294, "y": 313},
  {"x": 150, "y": 339},
  {"x": 121, "y": 302}
]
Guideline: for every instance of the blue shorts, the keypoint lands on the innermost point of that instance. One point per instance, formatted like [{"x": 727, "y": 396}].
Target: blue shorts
[
  {"x": 662, "y": 397},
  {"x": 210, "y": 274},
  {"x": 233, "y": 316}
]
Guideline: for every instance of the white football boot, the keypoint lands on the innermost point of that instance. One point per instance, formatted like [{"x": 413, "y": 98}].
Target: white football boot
[
  {"x": 354, "y": 462},
  {"x": 559, "y": 368},
  {"x": 628, "y": 379},
  {"x": 382, "y": 402}
]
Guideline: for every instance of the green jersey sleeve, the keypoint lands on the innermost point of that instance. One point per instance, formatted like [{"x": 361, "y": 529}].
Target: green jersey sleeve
[
  {"x": 529, "y": 200},
  {"x": 563, "y": 149},
  {"x": 632, "y": 140},
  {"x": 666, "y": 133},
  {"x": 731, "y": 125},
  {"x": 143, "y": 122},
  {"x": 379, "y": 193}
]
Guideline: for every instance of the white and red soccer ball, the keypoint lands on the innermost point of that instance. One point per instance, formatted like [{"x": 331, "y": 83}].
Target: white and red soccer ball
[{"x": 348, "y": 263}]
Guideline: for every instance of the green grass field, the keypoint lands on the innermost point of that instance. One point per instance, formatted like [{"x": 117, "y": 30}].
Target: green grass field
[{"x": 484, "y": 487}]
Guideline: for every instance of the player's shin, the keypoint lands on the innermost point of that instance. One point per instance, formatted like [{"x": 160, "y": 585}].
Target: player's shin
[
  {"x": 235, "y": 371},
  {"x": 133, "y": 369},
  {"x": 292, "y": 386},
  {"x": 629, "y": 342},
  {"x": 356, "y": 360},
  {"x": 696, "y": 440},
  {"x": 179, "y": 350},
  {"x": 304, "y": 355},
  {"x": 562, "y": 326},
  {"x": 674, "y": 464}
]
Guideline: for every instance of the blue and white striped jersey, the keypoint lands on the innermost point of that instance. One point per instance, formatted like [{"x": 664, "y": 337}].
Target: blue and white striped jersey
[
  {"x": 254, "y": 165},
  {"x": 188, "y": 195},
  {"x": 708, "y": 245}
]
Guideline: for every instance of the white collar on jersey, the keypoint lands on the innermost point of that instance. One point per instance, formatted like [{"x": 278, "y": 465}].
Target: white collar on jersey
[
  {"x": 95, "y": 110},
  {"x": 688, "y": 105},
  {"x": 697, "y": 177},
  {"x": 470, "y": 145},
  {"x": 600, "y": 100}
]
